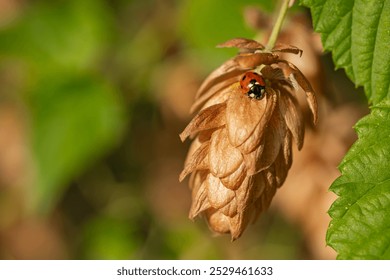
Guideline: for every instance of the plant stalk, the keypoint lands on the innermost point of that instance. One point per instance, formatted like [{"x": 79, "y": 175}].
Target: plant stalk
[{"x": 278, "y": 24}]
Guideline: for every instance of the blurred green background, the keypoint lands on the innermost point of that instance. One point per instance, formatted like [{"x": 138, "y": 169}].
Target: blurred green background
[{"x": 93, "y": 96}]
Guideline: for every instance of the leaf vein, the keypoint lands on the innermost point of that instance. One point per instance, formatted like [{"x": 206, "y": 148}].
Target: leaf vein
[
  {"x": 373, "y": 52},
  {"x": 356, "y": 201}
]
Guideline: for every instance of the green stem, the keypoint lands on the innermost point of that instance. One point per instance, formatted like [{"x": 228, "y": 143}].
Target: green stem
[{"x": 278, "y": 24}]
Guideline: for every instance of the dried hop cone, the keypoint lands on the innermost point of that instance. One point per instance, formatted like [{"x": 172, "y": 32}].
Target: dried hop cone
[{"x": 241, "y": 152}]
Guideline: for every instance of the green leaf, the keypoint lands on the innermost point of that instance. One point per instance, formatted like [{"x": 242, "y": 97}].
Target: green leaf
[
  {"x": 109, "y": 239},
  {"x": 358, "y": 34},
  {"x": 76, "y": 117},
  {"x": 360, "y": 216},
  {"x": 74, "y": 122},
  {"x": 65, "y": 36}
]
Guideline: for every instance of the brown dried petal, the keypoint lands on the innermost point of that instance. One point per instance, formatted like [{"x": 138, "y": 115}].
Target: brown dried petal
[
  {"x": 251, "y": 61},
  {"x": 217, "y": 221},
  {"x": 312, "y": 101},
  {"x": 197, "y": 178},
  {"x": 197, "y": 161},
  {"x": 241, "y": 43},
  {"x": 306, "y": 86},
  {"x": 224, "y": 158},
  {"x": 280, "y": 169},
  {"x": 270, "y": 181},
  {"x": 287, "y": 49},
  {"x": 235, "y": 179},
  {"x": 255, "y": 138},
  {"x": 217, "y": 194},
  {"x": 286, "y": 146},
  {"x": 242, "y": 116},
  {"x": 271, "y": 73},
  {"x": 211, "y": 117},
  {"x": 239, "y": 223},
  {"x": 230, "y": 209},
  {"x": 200, "y": 200},
  {"x": 220, "y": 92},
  {"x": 244, "y": 194},
  {"x": 230, "y": 69},
  {"x": 269, "y": 151},
  {"x": 289, "y": 108},
  {"x": 205, "y": 135},
  {"x": 272, "y": 143},
  {"x": 253, "y": 159},
  {"x": 260, "y": 186},
  {"x": 265, "y": 199}
]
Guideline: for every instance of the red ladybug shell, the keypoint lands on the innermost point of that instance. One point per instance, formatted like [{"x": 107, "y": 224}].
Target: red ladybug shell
[
  {"x": 253, "y": 85},
  {"x": 248, "y": 77}
]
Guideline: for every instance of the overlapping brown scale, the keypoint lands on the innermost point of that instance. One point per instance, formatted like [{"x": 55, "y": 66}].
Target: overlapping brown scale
[
  {"x": 260, "y": 186},
  {"x": 265, "y": 199},
  {"x": 252, "y": 60},
  {"x": 219, "y": 93},
  {"x": 197, "y": 178},
  {"x": 234, "y": 180},
  {"x": 205, "y": 135},
  {"x": 277, "y": 123},
  {"x": 307, "y": 88},
  {"x": 272, "y": 144},
  {"x": 224, "y": 158},
  {"x": 280, "y": 169},
  {"x": 242, "y": 117},
  {"x": 219, "y": 97},
  {"x": 239, "y": 222},
  {"x": 253, "y": 160},
  {"x": 293, "y": 118},
  {"x": 229, "y": 209},
  {"x": 229, "y": 214},
  {"x": 197, "y": 161},
  {"x": 200, "y": 201},
  {"x": 273, "y": 74},
  {"x": 253, "y": 141},
  {"x": 241, "y": 199},
  {"x": 286, "y": 148},
  {"x": 245, "y": 194},
  {"x": 209, "y": 118},
  {"x": 218, "y": 195},
  {"x": 229, "y": 69},
  {"x": 259, "y": 183},
  {"x": 244, "y": 203},
  {"x": 273, "y": 139},
  {"x": 193, "y": 147},
  {"x": 217, "y": 221},
  {"x": 271, "y": 148}
]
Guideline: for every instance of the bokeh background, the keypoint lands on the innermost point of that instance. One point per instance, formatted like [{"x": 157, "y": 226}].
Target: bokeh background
[{"x": 93, "y": 95}]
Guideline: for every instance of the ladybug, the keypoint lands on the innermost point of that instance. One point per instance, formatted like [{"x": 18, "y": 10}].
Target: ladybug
[{"x": 253, "y": 85}]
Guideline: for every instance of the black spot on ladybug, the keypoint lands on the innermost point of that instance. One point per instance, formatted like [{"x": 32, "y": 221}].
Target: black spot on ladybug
[{"x": 256, "y": 90}]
